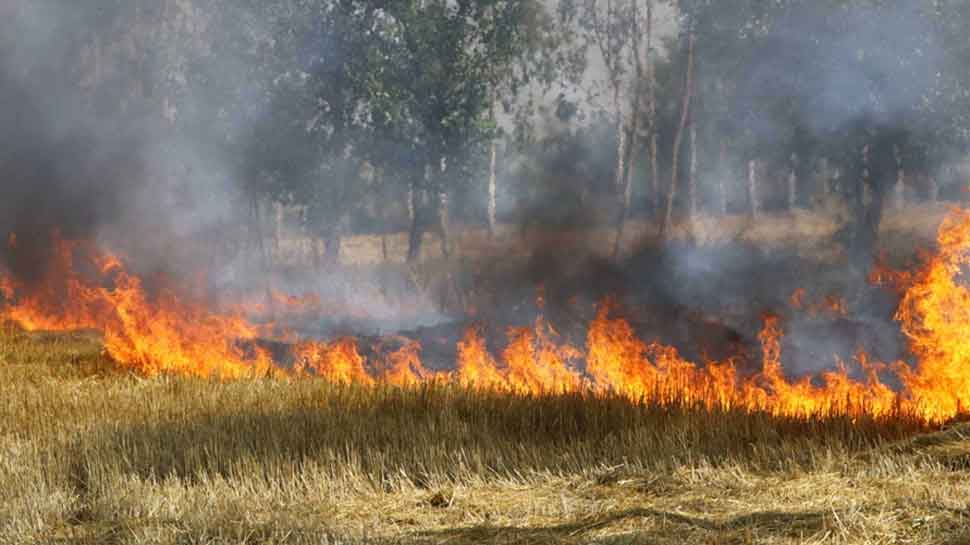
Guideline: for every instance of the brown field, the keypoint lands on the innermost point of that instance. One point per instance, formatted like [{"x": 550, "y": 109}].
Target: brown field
[
  {"x": 810, "y": 232},
  {"x": 91, "y": 455}
]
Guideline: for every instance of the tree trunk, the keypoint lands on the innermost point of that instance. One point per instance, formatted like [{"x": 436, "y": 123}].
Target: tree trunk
[
  {"x": 934, "y": 193},
  {"x": 627, "y": 191},
  {"x": 384, "y": 250},
  {"x": 278, "y": 227},
  {"x": 331, "y": 245},
  {"x": 382, "y": 208},
  {"x": 654, "y": 172},
  {"x": 652, "y": 113},
  {"x": 444, "y": 222},
  {"x": 684, "y": 114},
  {"x": 627, "y": 187},
  {"x": 492, "y": 224},
  {"x": 493, "y": 160},
  {"x": 411, "y": 202},
  {"x": 753, "y": 194},
  {"x": 869, "y": 203},
  {"x": 692, "y": 174},
  {"x": 793, "y": 183},
  {"x": 825, "y": 180},
  {"x": 316, "y": 256},
  {"x": 415, "y": 232},
  {"x": 721, "y": 174},
  {"x": 899, "y": 189},
  {"x": 256, "y": 236},
  {"x": 620, "y": 142}
]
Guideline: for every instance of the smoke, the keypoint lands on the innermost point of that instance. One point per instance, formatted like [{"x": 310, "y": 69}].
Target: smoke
[
  {"x": 836, "y": 66},
  {"x": 58, "y": 167},
  {"x": 88, "y": 147},
  {"x": 100, "y": 139}
]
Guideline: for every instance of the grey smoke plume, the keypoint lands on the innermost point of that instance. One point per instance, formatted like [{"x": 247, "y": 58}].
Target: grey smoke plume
[
  {"x": 839, "y": 65},
  {"x": 85, "y": 145}
]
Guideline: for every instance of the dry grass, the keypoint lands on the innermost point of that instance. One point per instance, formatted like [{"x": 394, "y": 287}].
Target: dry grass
[
  {"x": 88, "y": 455},
  {"x": 810, "y": 232}
]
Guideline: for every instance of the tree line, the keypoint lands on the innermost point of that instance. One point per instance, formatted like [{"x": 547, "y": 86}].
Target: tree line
[{"x": 423, "y": 114}]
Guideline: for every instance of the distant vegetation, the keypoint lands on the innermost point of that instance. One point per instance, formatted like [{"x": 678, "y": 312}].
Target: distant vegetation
[{"x": 418, "y": 115}]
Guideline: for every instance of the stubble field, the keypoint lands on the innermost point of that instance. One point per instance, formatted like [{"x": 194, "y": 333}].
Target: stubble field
[{"x": 89, "y": 454}]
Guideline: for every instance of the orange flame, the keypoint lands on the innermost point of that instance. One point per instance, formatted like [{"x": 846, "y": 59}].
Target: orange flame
[
  {"x": 168, "y": 331},
  {"x": 476, "y": 367},
  {"x": 166, "y": 334},
  {"x": 403, "y": 366},
  {"x": 833, "y": 305},
  {"x": 935, "y": 316},
  {"x": 338, "y": 361},
  {"x": 536, "y": 363}
]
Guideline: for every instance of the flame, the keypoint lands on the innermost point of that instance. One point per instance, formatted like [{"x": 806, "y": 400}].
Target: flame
[
  {"x": 338, "y": 361},
  {"x": 832, "y": 305},
  {"x": 167, "y": 330},
  {"x": 616, "y": 356},
  {"x": 536, "y": 363},
  {"x": 654, "y": 373},
  {"x": 476, "y": 367},
  {"x": 164, "y": 334},
  {"x": 935, "y": 316},
  {"x": 533, "y": 362},
  {"x": 308, "y": 304},
  {"x": 403, "y": 366}
]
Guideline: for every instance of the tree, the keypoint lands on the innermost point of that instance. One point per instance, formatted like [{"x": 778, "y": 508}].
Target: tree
[
  {"x": 436, "y": 63},
  {"x": 641, "y": 30},
  {"x": 688, "y": 93}
]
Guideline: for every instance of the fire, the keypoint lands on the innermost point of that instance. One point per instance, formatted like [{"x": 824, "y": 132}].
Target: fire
[
  {"x": 832, "y": 305},
  {"x": 165, "y": 330},
  {"x": 404, "y": 367},
  {"x": 163, "y": 334},
  {"x": 655, "y": 373},
  {"x": 616, "y": 356},
  {"x": 476, "y": 367},
  {"x": 533, "y": 362},
  {"x": 338, "y": 361},
  {"x": 537, "y": 363},
  {"x": 838, "y": 394},
  {"x": 935, "y": 316},
  {"x": 308, "y": 304}
]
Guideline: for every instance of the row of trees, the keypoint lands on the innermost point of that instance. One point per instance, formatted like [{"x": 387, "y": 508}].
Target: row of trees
[
  {"x": 663, "y": 108},
  {"x": 863, "y": 96},
  {"x": 354, "y": 97},
  {"x": 853, "y": 100}
]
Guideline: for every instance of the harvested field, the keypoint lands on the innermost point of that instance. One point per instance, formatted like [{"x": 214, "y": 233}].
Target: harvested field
[{"x": 94, "y": 455}]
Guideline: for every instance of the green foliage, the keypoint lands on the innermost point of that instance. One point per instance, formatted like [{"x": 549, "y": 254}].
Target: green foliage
[{"x": 311, "y": 91}]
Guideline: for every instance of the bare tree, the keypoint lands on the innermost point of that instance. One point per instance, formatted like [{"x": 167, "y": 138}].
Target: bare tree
[
  {"x": 793, "y": 181},
  {"x": 899, "y": 190},
  {"x": 626, "y": 189},
  {"x": 721, "y": 173},
  {"x": 692, "y": 171},
  {"x": 754, "y": 193},
  {"x": 652, "y": 110},
  {"x": 678, "y": 138},
  {"x": 492, "y": 176},
  {"x": 611, "y": 28}
]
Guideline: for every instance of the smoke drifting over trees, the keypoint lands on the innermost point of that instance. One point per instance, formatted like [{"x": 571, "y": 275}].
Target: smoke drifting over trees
[{"x": 169, "y": 120}]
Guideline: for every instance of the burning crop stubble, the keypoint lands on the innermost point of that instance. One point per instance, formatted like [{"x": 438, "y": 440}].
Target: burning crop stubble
[
  {"x": 139, "y": 405},
  {"x": 172, "y": 332},
  {"x": 90, "y": 456}
]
